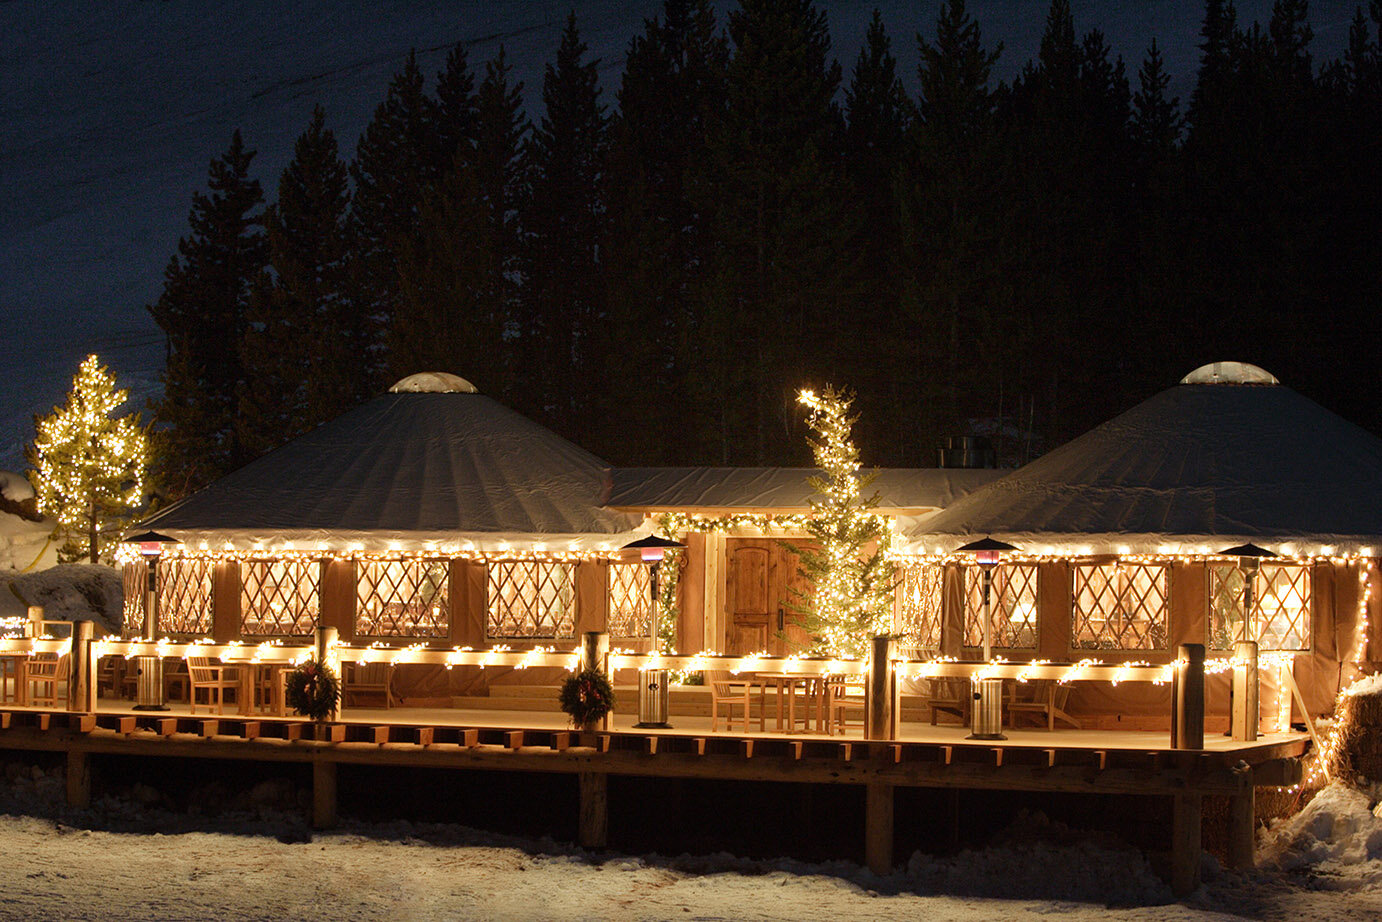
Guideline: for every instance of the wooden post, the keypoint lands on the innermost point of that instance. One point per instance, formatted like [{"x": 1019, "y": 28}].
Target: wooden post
[
  {"x": 35, "y": 620},
  {"x": 881, "y": 716},
  {"x": 594, "y": 816},
  {"x": 878, "y": 828},
  {"x": 326, "y": 654},
  {"x": 78, "y": 779},
  {"x": 1187, "y": 698},
  {"x": 595, "y": 650},
  {"x": 1245, "y": 692},
  {"x": 1185, "y": 843},
  {"x": 1242, "y": 828},
  {"x": 323, "y": 794},
  {"x": 81, "y": 685}
]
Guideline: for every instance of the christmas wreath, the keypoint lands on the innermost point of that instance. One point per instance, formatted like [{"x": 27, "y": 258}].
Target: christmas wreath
[
  {"x": 587, "y": 696},
  {"x": 312, "y": 690}
]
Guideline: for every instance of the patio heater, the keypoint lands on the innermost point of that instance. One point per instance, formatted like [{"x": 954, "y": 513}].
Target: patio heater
[
  {"x": 652, "y": 683},
  {"x": 987, "y": 713},
  {"x": 149, "y": 690},
  {"x": 1250, "y": 558}
]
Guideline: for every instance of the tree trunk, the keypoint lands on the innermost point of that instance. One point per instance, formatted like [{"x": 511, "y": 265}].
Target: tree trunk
[{"x": 91, "y": 532}]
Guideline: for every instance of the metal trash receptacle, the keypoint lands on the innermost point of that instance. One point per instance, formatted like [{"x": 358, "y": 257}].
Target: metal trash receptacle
[
  {"x": 988, "y": 709},
  {"x": 149, "y": 690},
  {"x": 652, "y": 698}
]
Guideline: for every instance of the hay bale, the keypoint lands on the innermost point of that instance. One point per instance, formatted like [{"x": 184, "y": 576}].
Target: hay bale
[{"x": 1358, "y": 748}]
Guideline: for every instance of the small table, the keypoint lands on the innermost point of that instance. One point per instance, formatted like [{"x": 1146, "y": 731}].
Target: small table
[
  {"x": 15, "y": 667},
  {"x": 813, "y": 686},
  {"x": 255, "y": 675}
]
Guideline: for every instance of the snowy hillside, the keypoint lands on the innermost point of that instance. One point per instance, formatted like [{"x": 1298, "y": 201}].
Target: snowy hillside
[{"x": 110, "y": 113}]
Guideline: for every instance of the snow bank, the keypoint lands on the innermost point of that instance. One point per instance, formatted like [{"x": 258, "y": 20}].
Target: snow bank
[
  {"x": 75, "y": 592},
  {"x": 15, "y": 487},
  {"x": 1338, "y": 836}
]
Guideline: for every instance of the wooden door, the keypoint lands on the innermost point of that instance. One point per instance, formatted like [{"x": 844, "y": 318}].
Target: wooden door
[{"x": 760, "y": 576}]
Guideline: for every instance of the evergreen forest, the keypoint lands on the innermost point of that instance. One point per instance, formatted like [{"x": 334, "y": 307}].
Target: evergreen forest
[{"x": 654, "y": 268}]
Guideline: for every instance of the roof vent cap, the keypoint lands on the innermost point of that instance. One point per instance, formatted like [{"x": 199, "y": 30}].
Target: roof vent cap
[
  {"x": 434, "y": 382},
  {"x": 1229, "y": 373}
]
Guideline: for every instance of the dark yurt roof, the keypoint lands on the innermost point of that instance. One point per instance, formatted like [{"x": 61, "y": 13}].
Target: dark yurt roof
[
  {"x": 1229, "y": 456},
  {"x": 432, "y": 464}
]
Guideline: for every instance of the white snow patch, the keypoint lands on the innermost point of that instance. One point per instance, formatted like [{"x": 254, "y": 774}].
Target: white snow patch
[
  {"x": 15, "y": 487},
  {"x": 24, "y": 545},
  {"x": 1338, "y": 836}
]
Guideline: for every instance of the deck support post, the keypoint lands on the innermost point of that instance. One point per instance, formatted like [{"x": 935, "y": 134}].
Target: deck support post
[
  {"x": 81, "y": 688},
  {"x": 78, "y": 779},
  {"x": 1186, "y": 813},
  {"x": 880, "y": 711},
  {"x": 1242, "y": 829},
  {"x": 326, "y": 640},
  {"x": 323, "y": 794},
  {"x": 1245, "y": 692},
  {"x": 594, "y": 816},
  {"x": 1187, "y": 698},
  {"x": 878, "y": 828}
]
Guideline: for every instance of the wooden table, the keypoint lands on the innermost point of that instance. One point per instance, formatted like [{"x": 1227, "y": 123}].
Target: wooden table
[
  {"x": 252, "y": 675},
  {"x": 15, "y": 667},
  {"x": 813, "y": 686}
]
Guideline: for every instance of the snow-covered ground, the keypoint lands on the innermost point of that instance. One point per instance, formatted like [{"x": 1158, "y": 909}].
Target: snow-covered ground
[
  {"x": 257, "y": 860},
  {"x": 110, "y": 113}
]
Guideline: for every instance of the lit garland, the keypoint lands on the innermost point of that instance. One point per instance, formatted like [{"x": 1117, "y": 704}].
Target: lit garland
[
  {"x": 88, "y": 466},
  {"x": 1318, "y": 769}
]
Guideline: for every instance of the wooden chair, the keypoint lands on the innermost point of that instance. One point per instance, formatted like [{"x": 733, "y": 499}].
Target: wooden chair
[
  {"x": 843, "y": 701},
  {"x": 729, "y": 693},
  {"x": 45, "y": 672},
  {"x": 1043, "y": 697},
  {"x": 214, "y": 679},
  {"x": 950, "y": 696},
  {"x": 177, "y": 682},
  {"x": 366, "y": 679}
]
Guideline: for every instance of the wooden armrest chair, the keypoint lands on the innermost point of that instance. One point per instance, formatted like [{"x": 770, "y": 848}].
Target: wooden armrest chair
[
  {"x": 45, "y": 672},
  {"x": 366, "y": 679},
  {"x": 843, "y": 701},
  {"x": 950, "y": 696},
  {"x": 1043, "y": 697},
  {"x": 727, "y": 692},
  {"x": 214, "y": 679}
]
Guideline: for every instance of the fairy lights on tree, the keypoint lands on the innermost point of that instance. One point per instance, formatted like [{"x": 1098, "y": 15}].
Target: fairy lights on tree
[
  {"x": 847, "y": 562},
  {"x": 88, "y": 465}
]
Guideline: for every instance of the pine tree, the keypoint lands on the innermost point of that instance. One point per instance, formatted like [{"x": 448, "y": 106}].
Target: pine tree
[
  {"x": 852, "y": 579},
  {"x": 1217, "y": 34},
  {"x": 454, "y": 112},
  {"x": 394, "y": 164},
  {"x": 88, "y": 465},
  {"x": 564, "y": 226},
  {"x": 202, "y": 314},
  {"x": 301, "y": 335},
  {"x": 1156, "y": 123}
]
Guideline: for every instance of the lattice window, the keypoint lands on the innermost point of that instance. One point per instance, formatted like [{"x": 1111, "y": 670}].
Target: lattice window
[
  {"x": 134, "y": 578},
  {"x": 630, "y": 601},
  {"x": 184, "y": 596},
  {"x": 1281, "y": 607},
  {"x": 530, "y": 598},
  {"x": 919, "y": 601},
  {"x": 279, "y": 597},
  {"x": 1014, "y": 607},
  {"x": 403, "y": 598},
  {"x": 1120, "y": 606}
]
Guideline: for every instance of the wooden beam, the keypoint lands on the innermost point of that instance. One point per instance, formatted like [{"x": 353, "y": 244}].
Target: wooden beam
[
  {"x": 167, "y": 726},
  {"x": 85, "y": 723},
  {"x": 425, "y": 735},
  {"x": 292, "y": 731},
  {"x": 1242, "y": 830},
  {"x": 5, "y": 717},
  {"x": 561, "y": 740},
  {"x": 78, "y": 779},
  {"x": 1187, "y": 698},
  {"x": 209, "y": 728},
  {"x": 594, "y": 816},
  {"x": 878, "y": 828},
  {"x": 513, "y": 739},
  {"x": 379, "y": 735},
  {"x": 125, "y": 725},
  {"x": 1186, "y": 816},
  {"x": 468, "y": 738},
  {"x": 323, "y": 794},
  {"x": 45, "y": 721},
  {"x": 250, "y": 729}
]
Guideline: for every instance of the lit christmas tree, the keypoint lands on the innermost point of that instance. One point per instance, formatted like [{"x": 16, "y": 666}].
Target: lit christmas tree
[
  {"x": 88, "y": 465},
  {"x": 849, "y": 568}
]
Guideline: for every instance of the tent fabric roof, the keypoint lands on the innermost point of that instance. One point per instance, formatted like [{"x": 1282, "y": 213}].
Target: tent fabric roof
[
  {"x": 781, "y": 489},
  {"x": 450, "y": 470},
  {"x": 1194, "y": 469}
]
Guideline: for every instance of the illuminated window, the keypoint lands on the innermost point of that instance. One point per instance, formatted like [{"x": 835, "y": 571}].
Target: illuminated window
[
  {"x": 630, "y": 601},
  {"x": 184, "y": 596},
  {"x": 1120, "y": 606},
  {"x": 1281, "y": 607},
  {"x": 919, "y": 594},
  {"x": 1014, "y": 607},
  {"x": 530, "y": 599},
  {"x": 279, "y": 597},
  {"x": 403, "y": 598},
  {"x": 134, "y": 580}
]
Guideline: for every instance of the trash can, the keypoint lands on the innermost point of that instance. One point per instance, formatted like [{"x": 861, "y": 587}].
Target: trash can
[
  {"x": 652, "y": 698},
  {"x": 149, "y": 690},
  {"x": 987, "y": 718}
]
